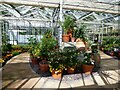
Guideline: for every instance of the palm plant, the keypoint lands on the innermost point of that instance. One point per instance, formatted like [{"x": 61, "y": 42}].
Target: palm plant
[{"x": 68, "y": 24}]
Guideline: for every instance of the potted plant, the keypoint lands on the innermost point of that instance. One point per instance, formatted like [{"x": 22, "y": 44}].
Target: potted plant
[
  {"x": 81, "y": 38},
  {"x": 80, "y": 32},
  {"x": 33, "y": 50},
  {"x": 56, "y": 63},
  {"x": 68, "y": 26},
  {"x": 95, "y": 56},
  {"x": 87, "y": 63},
  {"x": 70, "y": 59},
  {"x": 48, "y": 43}
]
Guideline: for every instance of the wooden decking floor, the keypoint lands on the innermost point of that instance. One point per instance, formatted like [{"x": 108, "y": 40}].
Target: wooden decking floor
[{"x": 18, "y": 74}]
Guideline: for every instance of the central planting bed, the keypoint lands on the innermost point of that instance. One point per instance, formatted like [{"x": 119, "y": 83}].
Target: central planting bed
[{"x": 47, "y": 59}]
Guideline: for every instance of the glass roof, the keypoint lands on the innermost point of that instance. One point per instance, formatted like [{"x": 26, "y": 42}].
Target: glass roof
[{"x": 34, "y": 12}]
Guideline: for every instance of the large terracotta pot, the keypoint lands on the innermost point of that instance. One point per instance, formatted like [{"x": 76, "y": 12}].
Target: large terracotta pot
[
  {"x": 65, "y": 38},
  {"x": 56, "y": 74},
  {"x": 87, "y": 69},
  {"x": 44, "y": 66},
  {"x": 71, "y": 70}
]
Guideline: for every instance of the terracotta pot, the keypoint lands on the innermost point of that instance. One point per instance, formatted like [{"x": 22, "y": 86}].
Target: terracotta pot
[
  {"x": 79, "y": 43},
  {"x": 70, "y": 35},
  {"x": 34, "y": 61},
  {"x": 56, "y": 74},
  {"x": 65, "y": 37},
  {"x": 112, "y": 53},
  {"x": 44, "y": 67},
  {"x": 102, "y": 49},
  {"x": 73, "y": 39},
  {"x": 71, "y": 70},
  {"x": 87, "y": 69}
]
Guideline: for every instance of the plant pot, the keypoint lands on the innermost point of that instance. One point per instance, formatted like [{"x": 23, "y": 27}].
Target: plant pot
[
  {"x": 87, "y": 69},
  {"x": 111, "y": 53},
  {"x": 65, "y": 38},
  {"x": 70, "y": 35},
  {"x": 79, "y": 43},
  {"x": 73, "y": 39},
  {"x": 44, "y": 66},
  {"x": 34, "y": 61},
  {"x": 57, "y": 74},
  {"x": 102, "y": 49},
  {"x": 71, "y": 70}
]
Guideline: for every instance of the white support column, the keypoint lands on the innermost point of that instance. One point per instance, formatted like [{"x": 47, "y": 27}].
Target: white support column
[
  {"x": 0, "y": 54},
  {"x": 0, "y": 38},
  {"x": 61, "y": 20},
  {"x": 102, "y": 31},
  {"x": 105, "y": 30}
]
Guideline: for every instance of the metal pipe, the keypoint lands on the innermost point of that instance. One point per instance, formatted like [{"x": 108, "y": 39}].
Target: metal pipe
[
  {"x": 65, "y": 6},
  {"x": 61, "y": 20}
]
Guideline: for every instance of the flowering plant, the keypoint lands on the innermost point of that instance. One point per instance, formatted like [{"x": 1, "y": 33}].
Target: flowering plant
[
  {"x": 56, "y": 60},
  {"x": 70, "y": 57},
  {"x": 1, "y": 60},
  {"x": 87, "y": 59}
]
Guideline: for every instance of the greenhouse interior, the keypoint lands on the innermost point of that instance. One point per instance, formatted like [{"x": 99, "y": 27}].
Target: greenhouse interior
[{"x": 59, "y": 44}]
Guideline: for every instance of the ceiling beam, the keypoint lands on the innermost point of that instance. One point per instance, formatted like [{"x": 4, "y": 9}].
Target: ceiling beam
[
  {"x": 65, "y": 6},
  {"x": 43, "y": 20}
]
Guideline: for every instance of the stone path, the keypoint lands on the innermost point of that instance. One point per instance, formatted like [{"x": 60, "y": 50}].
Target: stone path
[{"x": 18, "y": 74}]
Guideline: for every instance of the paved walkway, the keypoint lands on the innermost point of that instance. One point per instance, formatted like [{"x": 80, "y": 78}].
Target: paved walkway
[{"x": 17, "y": 74}]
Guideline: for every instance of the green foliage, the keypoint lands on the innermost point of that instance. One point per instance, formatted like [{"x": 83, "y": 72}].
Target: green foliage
[
  {"x": 48, "y": 43},
  {"x": 32, "y": 43},
  {"x": 6, "y": 48},
  {"x": 56, "y": 60},
  {"x": 25, "y": 48},
  {"x": 69, "y": 23},
  {"x": 15, "y": 53},
  {"x": 79, "y": 32},
  {"x": 87, "y": 59},
  {"x": 109, "y": 42},
  {"x": 36, "y": 51},
  {"x": 5, "y": 36},
  {"x": 42, "y": 48},
  {"x": 70, "y": 57}
]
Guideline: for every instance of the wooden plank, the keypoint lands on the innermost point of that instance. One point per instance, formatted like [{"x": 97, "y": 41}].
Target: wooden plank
[
  {"x": 77, "y": 81},
  {"x": 98, "y": 79},
  {"x": 40, "y": 83},
  {"x": 17, "y": 83},
  {"x": 30, "y": 83},
  {"x": 51, "y": 83},
  {"x": 87, "y": 80}
]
